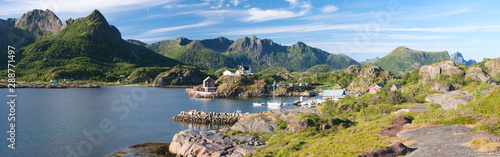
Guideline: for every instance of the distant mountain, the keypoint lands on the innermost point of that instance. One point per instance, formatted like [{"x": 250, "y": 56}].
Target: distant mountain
[
  {"x": 86, "y": 48},
  {"x": 457, "y": 58},
  {"x": 369, "y": 61},
  {"x": 260, "y": 53},
  {"x": 404, "y": 59}
]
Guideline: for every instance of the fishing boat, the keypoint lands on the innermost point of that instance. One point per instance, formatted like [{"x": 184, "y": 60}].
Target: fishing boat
[
  {"x": 274, "y": 102},
  {"x": 258, "y": 103}
]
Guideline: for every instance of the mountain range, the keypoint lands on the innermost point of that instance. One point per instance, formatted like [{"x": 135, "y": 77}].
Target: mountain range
[
  {"x": 260, "y": 53},
  {"x": 83, "y": 48},
  {"x": 91, "y": 48}
]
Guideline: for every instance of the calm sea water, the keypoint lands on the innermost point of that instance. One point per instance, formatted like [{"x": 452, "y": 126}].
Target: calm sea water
[{"x": 97, "y": 122}]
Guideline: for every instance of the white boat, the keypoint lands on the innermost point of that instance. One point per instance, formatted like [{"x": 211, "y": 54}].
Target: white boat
[
  {"x": 274, "y": 102},
  {"x": 259, "y": 103}
]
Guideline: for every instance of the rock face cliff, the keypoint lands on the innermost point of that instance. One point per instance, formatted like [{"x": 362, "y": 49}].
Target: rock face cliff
[
  {"x": 367, "y": 75},
  {"x": 477, "y": 73},
  {"x": 446, "y": 67},
  {"x": 494, "y": 66},
  {"x": 31, "y": 27}
]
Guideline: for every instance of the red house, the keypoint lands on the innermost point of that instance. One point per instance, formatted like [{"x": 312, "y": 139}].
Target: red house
[
  {"x": 396, "y": 87},
  {"x": 209, "y": 85},
  {"x": 375, "y": 88}
]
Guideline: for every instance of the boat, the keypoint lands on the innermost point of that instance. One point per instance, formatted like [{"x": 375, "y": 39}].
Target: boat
[
  {"x": 274, "y": 102},
  {"x": 285, "y": 104},
  {"x": 258, "y": 103}
]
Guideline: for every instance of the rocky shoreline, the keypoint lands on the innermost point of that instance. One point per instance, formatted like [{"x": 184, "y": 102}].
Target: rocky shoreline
[
  {"x": 53, "y": 86},
  {"x": 200, "y": 117}
]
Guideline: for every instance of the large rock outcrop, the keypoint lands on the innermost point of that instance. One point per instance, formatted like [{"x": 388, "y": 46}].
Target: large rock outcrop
[
  {"x": 450, "y": 100},
  {"x": 476, "y": 73},
  {"x": 494, "y": 66},
  {"x": 442, "y": 87},
  {"x": 212, "y": 143},
  {"x": 255, "y": 123},
  {"x": 445, "y": 67},
  {"x": 366, "y": 75},
  {"x": 180, "y": 75}
]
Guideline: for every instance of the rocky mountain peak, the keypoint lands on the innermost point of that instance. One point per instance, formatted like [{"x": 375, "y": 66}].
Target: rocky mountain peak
[
  {"x": 97, "y": 16},
  {"x": 44, "y": 20},
  {"x": 253, "y": 37},
  {"x": 183, "y": 41},
  {"x": 457, "y": 58}
]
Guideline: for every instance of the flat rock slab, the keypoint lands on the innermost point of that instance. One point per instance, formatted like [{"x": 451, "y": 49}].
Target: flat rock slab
[{"x": 440, "y": 141}]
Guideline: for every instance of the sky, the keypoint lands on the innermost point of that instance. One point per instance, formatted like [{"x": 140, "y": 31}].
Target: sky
[{"x": 362, "y": 29}]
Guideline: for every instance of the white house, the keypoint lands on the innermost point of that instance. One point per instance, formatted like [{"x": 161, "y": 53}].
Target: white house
[
  {"x": 335, "y": 94},
  {"x": 244, "y": 70},
  {"x": 227, "y": 73}
]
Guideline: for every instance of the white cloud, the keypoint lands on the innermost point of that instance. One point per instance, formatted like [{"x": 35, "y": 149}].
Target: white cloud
[
  {"x": 295, "y": 28},
  {"x": 258, "y": 15},
  {"x": 482, "y": 28},
  {"x": 329, "y": 9},
  {"x": 77, "y": 8},
  {"x": 236, "y": 2},
  {"x": 173, "y": 6},
  {"x": 293, "y": 2},
  {"x": 415, "y": 37},
  {"x": 175, "y": 28}
]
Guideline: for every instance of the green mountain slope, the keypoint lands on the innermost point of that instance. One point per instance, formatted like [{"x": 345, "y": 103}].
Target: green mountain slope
[
  {"x": 323, "y": 68},
  {"x": 404, "y": 59},
  {"x": 87, "y": 48},
  {"x": 260, "y": 53}
]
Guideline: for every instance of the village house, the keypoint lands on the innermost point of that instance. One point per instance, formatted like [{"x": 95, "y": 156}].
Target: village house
[
  {"x": 375, "y": 88},
  {"x": 209, "y": 85},
  {"x": 395, "y": 87},
  {"x": 242, "y": 70},
  {"x": 227, "y": 73},
  {"x": 334, "y": 94}
]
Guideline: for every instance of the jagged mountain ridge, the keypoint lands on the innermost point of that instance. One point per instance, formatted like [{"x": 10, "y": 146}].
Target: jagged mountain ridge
[
  {"x": 260, "y": 53},
  {"x": 457, "y": 58},
  {"x": 86, "y": 48},
  {"x": 33, "y": 26}
]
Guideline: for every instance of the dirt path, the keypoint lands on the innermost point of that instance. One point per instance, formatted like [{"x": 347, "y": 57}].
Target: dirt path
[{"x": 440, "y": 141}]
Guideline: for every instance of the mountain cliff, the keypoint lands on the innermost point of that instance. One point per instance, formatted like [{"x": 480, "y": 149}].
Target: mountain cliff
[
  {"x": 33, "y": 26},
  {"x": 260, "y": 53},
  {"x": 457, "y": 58},
  {"x": 404, "y": 59},
  {"x": 87, "y": 48}
]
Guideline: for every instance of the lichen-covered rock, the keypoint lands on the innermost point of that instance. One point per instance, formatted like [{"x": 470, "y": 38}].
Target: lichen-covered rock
[
  {"x": 450, "y": 100},
  {"x": 210, "y": 143},
  {"x": 476, "y": 73},
  {"x": 453, "y": 102},
  {"x": 296, "y": 126},
  {"x": 446, "y": 67},
  {"x": 255, "y": 124},
  {"x": 441, "y": 87}
]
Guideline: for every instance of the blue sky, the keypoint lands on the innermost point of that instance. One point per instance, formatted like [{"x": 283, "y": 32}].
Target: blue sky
[{"x": 360, "y": 29}]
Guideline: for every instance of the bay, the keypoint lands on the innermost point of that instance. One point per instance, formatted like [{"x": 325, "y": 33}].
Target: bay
[{"x": 97, "y": 122}]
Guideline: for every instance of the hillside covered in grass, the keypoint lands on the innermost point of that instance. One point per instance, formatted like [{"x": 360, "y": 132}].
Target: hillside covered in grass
[{"x": 87, "y": 48}]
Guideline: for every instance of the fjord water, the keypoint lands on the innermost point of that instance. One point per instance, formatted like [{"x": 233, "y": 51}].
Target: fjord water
[{"x": 65, "y": 122}]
